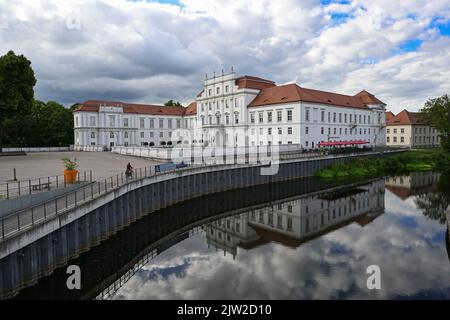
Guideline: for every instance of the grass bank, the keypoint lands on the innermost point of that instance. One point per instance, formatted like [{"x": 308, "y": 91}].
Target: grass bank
[{"x": 404, "y": 163}]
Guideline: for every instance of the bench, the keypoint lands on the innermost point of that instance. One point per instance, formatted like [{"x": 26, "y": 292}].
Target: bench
[{"x": 44, "y": 185}]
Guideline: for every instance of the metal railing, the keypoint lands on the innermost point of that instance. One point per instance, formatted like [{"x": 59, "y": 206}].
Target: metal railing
[
  {"x": 29, "y": 217},
  {"x": 14, "y": 189}
]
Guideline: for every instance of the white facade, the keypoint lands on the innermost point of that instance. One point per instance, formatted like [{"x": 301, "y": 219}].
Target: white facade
[
  {"x": 296, "y": 221},
  {"x": 225, "y": 114},
  {"x": 110, "y": 126}
]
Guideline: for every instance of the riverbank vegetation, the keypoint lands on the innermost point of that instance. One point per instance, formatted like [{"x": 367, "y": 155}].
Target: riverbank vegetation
[{"x": 404, "y": 163}]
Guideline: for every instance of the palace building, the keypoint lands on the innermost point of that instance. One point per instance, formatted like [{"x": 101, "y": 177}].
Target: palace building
[{"x": 236, "y": 110}]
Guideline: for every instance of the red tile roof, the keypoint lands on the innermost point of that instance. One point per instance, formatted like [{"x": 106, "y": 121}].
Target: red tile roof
[
  {"x": 191, "y": 109},
  {"x": 94, "y": 106},
  {"x": 404, "y": 118},
  {"x": 389, "y": 115},
  {"x": 295, "y": 93},
  {"x": 368, "y": 98},
  {"x": 254, "y": 83}
]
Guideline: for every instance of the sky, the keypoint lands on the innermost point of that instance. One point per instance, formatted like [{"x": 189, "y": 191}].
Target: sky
[{"x": 153, "y": 51}]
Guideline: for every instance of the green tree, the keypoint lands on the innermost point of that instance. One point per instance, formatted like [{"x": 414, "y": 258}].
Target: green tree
[
  {"x": 17, "y": 81},
  {"x": 436, "y": 112},
  {"x": 172, "y": 103}
]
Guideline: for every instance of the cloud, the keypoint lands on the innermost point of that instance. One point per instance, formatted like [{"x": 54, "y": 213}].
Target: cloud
[
  {"x": 147, "y": 51},
  {"x": 333, "y": 266}
]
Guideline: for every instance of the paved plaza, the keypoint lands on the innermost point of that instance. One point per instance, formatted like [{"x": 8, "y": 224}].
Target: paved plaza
[{"x": 43, "y": 164}]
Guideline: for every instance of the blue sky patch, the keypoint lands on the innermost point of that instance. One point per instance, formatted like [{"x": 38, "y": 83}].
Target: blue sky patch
[{"x": 410, "y": 45}]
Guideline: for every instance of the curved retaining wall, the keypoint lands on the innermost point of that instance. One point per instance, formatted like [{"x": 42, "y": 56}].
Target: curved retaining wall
[
  {"x": 154, "y": 233},
  {"x": 173, "y": 187}
]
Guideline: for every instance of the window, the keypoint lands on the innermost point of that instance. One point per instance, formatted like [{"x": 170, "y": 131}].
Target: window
[
  {"x": 280, "y": 131},
  {"x": 161, "y": 123},
  {"x": 321, "y": 130},
  {"x": 112, "y": 121},
  {"x": 125, "y": 122},
  {"x": 93, "y": 135},
  {"x": 227, "y": 119},
  {"x": 402, "y": 130},
  {"x": 334, "y": 117},
  {"x": 178, "y": 123},
  {"x": 395, "y": 130},
  {"x": 111, "y": 135},
  {"x": 252, "y": 118},
  {"x": 279, "y": 116},
  {"x": 151, "y": 134},
  {"x": 402, "y": 139},
  {"x": 334, "y": 130},
  {"x": 141, "y": 122},
  {"x": 388, "y": 130},
  {"x": 340, "y": 117},
  {"x": 169, "y": 123},
  {"x": 217, "y": 90},
  {"x": 260, "y": 117},
  {"x": 92, "y": 121},
  {"x": 210, "y": 120},
  {"x": 289, "y": 224},
  {"x": 142, "y": 135},
  {"x": 289, "y": 130},
  {"x": 395, "y": 139},
  {"x": 322, "y": 116},
  {"x": 289, "y": 115},
  {"x": 226, "y": 89},
  {"x": 76, "y": 121},
  {"x": 307, "y": 115},
  {"x": 161, "y": 134},
  {"x": 269, "y": 131},
  {"x": 236, "y": 118},
  {"x": 306, "y": 130},
  {"x": 345, "y": 118},
  {"x": 125, "y": 135},
  {"x": 269, "y": 116},
  {"x": 209, "y": 92}
]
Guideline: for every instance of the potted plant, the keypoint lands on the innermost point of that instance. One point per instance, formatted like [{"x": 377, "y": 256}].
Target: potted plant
[{"x": 70, "y": 174}]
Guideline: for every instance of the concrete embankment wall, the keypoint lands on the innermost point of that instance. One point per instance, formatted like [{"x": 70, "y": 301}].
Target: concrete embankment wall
[
  {"x": 96, "y": 220},
  {"x": 167, "y": 189},
  {"x": 151, "y": 235}
]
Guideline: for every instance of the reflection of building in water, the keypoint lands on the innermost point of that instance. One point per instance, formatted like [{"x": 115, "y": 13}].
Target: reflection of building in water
[
  {"x": 296, "y": 221},
  {"x": 414, "y": 184}
]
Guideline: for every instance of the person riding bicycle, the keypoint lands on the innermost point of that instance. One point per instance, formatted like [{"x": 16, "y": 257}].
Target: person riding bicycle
[{"x": 129, "y": 170}]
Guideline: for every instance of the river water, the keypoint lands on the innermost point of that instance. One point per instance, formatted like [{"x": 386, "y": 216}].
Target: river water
[{"x": 316, "y": 243}]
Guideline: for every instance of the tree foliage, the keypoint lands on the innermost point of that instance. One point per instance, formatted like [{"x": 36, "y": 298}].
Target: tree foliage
[
  {"x": 172, "y": 103},
  {"x": 17, "y": 81},
  {"x": 24, "y": 121},
  {"x": 436, "y": 112}
]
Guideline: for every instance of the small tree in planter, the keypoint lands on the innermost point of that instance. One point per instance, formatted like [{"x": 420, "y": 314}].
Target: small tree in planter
[{"x": 70, "y": 174}]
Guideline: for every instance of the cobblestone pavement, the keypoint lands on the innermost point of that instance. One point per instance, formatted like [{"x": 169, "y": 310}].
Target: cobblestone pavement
[{"x": 43, "y": 164}]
